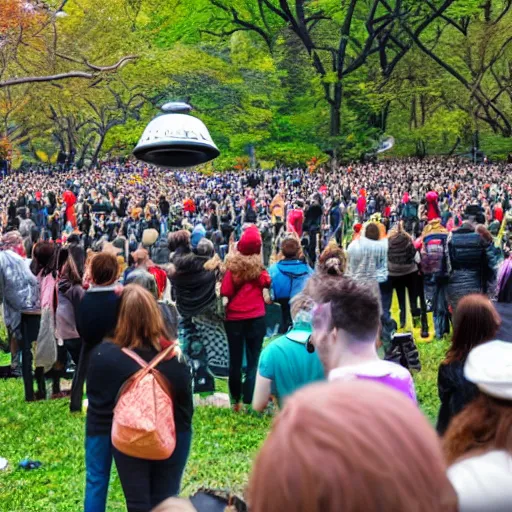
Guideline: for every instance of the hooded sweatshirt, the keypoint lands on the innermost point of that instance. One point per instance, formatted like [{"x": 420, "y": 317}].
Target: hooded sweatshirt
[{"x": 289, "y": 278}]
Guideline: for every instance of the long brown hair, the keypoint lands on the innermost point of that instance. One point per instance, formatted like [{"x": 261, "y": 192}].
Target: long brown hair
[
  {"x": 484, "y": 424},
  {"x": 350, "y": 446},
  {"x": 475, "y": 322},
  {"x": 139, "y": 323}
]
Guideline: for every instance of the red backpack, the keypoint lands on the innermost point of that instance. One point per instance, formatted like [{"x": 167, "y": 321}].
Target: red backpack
[{"x": 143, "y": 425}]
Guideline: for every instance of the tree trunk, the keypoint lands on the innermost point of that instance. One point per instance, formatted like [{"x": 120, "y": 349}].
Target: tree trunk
[
  {"x": 97, "y": 150},
  {"x": 335, "y": 128}
]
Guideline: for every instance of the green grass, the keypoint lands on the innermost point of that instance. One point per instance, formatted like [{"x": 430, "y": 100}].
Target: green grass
[{"x": 224, "y": 445}]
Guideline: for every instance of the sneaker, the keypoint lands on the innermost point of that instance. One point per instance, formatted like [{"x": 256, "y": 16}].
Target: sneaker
[{"x": 237, "y": 407}]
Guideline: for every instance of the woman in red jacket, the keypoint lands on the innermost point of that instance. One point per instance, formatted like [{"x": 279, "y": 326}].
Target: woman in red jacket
[{"x": 243, "y": 286}]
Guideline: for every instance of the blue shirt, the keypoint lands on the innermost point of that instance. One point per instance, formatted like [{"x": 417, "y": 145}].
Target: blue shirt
[{"x": 290, "y": 366}]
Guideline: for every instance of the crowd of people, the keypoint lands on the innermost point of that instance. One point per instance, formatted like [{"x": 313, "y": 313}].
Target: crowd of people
[{"x": 145, "y": 285}]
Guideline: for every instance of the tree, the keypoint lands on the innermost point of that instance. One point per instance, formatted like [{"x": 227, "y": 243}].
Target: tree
[
  {"x": 339, "y": 39},
  {"x": 474, "y": 47},
  {"x": 31, "y": 49}
]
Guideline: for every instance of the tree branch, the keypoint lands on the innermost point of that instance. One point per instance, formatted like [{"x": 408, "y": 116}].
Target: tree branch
[{"x": 70, "y": 74}]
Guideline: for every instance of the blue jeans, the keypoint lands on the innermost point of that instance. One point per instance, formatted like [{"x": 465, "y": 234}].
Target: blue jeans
[
  {"x": 98, "y": 461},
  {"x": 146, "y": 483}
]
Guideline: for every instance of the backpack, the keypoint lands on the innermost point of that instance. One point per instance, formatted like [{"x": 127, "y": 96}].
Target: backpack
[
  {"x": 434, "y": 255},
  {"x": 143, "y": 424}
]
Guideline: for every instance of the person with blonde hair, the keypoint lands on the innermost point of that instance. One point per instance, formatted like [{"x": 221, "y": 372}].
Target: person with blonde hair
[
  {"x": 349, "y": 447},
  {"x": 140, "y": 329}
]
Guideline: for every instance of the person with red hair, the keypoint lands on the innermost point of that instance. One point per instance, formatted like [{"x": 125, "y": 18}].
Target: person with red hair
[{"x": 350, "y": 447}]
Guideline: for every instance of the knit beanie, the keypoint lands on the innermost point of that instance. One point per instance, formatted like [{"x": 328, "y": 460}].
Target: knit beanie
[
  {"x": 250, "y": 242},
  {"x": 198, "y": 233}
]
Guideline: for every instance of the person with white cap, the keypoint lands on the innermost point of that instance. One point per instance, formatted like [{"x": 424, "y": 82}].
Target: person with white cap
[
  {"x": 478, "y": 442},
  {"x": 288, "y": 363}
]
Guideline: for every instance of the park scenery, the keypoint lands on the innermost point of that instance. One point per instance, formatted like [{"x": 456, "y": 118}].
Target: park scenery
[{"x": 256, "y": 255}]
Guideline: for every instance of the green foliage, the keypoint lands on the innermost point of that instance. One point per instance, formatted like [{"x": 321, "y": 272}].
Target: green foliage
[{"x": 267, "y": 92}]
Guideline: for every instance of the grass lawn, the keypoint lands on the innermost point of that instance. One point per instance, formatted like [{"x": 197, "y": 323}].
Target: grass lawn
[{"x": 223, "y": 445}]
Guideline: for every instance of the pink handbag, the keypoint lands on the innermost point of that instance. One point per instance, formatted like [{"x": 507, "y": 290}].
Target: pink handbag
[{"x": 143, "y": 425}]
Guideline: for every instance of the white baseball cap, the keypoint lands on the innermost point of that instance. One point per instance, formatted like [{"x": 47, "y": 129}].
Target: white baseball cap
[{"x": 489, "y": 366}]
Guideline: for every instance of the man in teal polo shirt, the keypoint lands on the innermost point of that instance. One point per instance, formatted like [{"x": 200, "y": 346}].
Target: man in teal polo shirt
[{"x": 285, "y": 364}]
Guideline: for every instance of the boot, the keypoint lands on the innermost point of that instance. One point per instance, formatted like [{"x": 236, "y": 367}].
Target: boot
[{"x": 424, "y": 327}]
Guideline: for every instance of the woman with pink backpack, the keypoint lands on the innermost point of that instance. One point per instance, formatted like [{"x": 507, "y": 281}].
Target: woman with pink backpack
[{"x": 140, "y": 393}]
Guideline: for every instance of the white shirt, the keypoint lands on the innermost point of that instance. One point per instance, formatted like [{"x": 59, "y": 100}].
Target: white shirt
[{"x": 483, "y": 483}]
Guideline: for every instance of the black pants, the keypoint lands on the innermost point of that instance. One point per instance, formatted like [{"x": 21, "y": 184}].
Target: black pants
[
  {"x": 249, "y": 334},
  {"x": 146, "y": 483},
  {"x": 313, "y": 233},
  {"x": 29, "y": 331},
  {"x": 277, "y": 229},
  {"x": 286, "y": 316},
  {"x": 77, "y": 387},
  {"x": 72, "y": 347},
  {"x": 400, "y": 284}
]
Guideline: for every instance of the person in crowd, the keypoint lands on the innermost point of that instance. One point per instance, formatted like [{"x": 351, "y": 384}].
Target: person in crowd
[
  {"x": 332, "y": 260},
  {"x": 403, "y": 274},
  {"x": 289, "y": 275},
  {"x": 368, "y": 261},
  {"x": 295, "y": 218},
  {"x": 436, "y": 270},
  {"x": 140, "y": 329},
  {"x": 473, "y": 263},
  {"x": 35, "y": 322},
  {"x": 169, "y": 312},
  {"x": 70, "y": 294},
  {"x": 503, "y": 302},
  {"x": 475, "y": 322},
  {"x": 288, "y": 363},
  {"x": 201, "y": 330},
  {"x": 97, "y": 319},
  {"x": 243, "y": 287},
  {"x": 97, "y": 316},
  {"x": 331, "y": 443},
  {"x": 478, "y": 442},
  {"x": 277, "y": 211},
  {"x": 346, "y": 324},
  {"x": 313, "y": 225},
  {"x": 19, "y": 295}
]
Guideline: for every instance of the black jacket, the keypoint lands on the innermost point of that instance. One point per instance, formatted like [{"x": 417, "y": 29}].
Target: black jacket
[
  {"x": 193, "y": 286},
  {"x": 97, "y": 315},
  {"x": 455, "y": 392}
]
